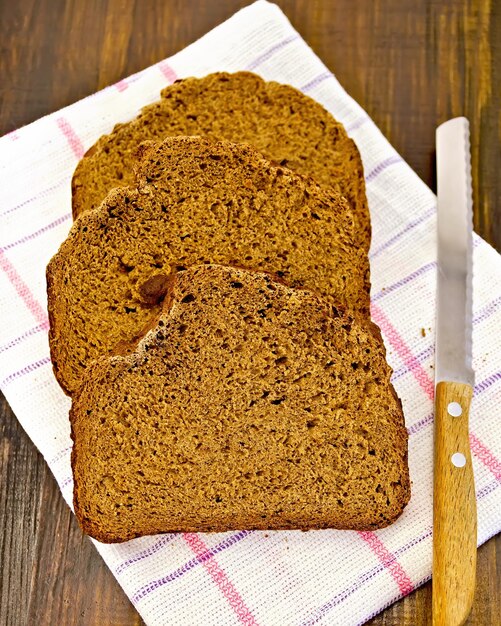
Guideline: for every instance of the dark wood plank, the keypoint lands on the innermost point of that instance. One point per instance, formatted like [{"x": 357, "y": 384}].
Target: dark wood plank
[
  {"x": 51, "y": 573},
  {"x": 410, "y": 65}
]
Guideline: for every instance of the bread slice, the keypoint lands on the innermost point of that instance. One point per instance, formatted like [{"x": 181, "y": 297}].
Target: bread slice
[
  {"x": 197, "y": 201},
  {"x": 249, "y": 405},
  {"x": 284, "y": 124}
]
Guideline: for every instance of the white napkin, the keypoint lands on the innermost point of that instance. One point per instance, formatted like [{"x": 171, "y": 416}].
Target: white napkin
[{"x": 265, "y": 578}]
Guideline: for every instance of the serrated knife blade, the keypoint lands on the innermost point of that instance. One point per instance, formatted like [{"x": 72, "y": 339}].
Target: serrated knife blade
[
  {"x": 454, "y": 503},
  {"x": 454, "y": 235}
]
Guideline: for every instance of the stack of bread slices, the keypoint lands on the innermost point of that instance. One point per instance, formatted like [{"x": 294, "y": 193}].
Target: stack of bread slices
[{"x": 210, "y": 319}]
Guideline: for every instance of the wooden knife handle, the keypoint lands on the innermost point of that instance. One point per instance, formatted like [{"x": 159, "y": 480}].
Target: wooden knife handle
[{"x": 454, "y": 508}]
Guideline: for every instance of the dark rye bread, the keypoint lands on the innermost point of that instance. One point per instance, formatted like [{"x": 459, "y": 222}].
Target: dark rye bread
[
  {"x": 284, "y": 124},
  {"x": 249, "y": 405},
  {"x": 197, "y": 201}
]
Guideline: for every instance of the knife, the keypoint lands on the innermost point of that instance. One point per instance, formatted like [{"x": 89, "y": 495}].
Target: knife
[{"x": 454, "y": 504}]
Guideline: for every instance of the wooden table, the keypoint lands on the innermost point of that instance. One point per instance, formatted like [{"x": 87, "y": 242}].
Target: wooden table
[{"x": 410, "y": 64}]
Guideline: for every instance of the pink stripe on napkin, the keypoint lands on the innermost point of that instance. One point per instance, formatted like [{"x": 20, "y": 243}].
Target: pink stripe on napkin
[
  {"x": 167, "y": 71},
  {"x": 222, "y": 581},
  {"x": 23, "y": 291},
  {"x": 409, "y": 360},
  {"x": 403, "y": 581},
  {"x": 486, "y": 456},
  {"x": 73, "y": 140}
]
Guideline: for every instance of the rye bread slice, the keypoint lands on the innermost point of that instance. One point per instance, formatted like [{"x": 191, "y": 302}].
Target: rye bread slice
[
  {"x": 196, "y": 201},
  {"x": 249, "y": 405},
  {"x": 287, "y": 126}
]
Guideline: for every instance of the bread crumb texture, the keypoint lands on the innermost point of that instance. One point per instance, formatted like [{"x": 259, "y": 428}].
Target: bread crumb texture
[
  {"x": 196, "y": 201},
  {"x": 286, "y": 126},
  {"x": 249, "y": 404}
]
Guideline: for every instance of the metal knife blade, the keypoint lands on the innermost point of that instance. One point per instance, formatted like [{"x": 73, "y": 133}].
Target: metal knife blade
[{"x": 454, "y": 229}]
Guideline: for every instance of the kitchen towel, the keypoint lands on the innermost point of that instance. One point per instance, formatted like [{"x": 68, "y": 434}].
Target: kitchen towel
[{"x": 265, "y": 578}]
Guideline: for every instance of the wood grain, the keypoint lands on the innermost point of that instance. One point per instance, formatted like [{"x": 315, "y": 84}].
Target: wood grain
[
  {"x": 454, "y": 509},
  {"x": 411, "y": 65}
]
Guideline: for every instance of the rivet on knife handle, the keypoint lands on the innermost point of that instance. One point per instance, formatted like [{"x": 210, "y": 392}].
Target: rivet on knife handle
[{"x": 454, "y": 508}]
